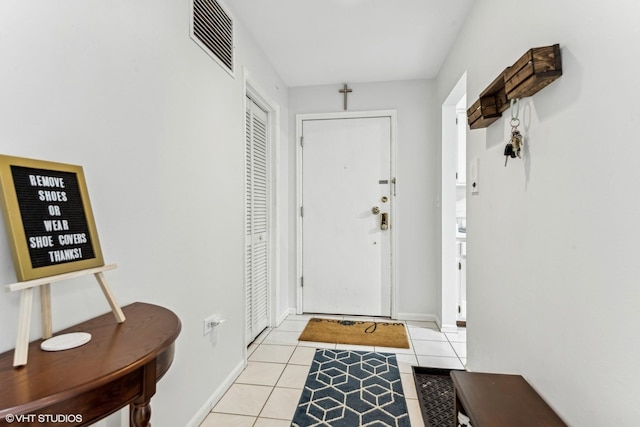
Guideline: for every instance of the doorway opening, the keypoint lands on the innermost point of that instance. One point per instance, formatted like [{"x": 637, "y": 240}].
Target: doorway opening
[
  {"x": 461, "y": 211},
  {"x": 453, "y": 208}
]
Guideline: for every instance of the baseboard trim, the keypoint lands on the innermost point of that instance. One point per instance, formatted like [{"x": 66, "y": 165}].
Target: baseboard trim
[
  {"x": 216, "y": 396},
  {"x": 282, "y": 317},
  {"x": 418, "y": 317},
  {"x": 448, "y": 328},
  {"x": 445, "y": 328}
]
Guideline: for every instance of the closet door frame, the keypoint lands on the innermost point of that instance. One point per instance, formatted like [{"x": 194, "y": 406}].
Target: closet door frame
[{"x": 257, "y": 95}]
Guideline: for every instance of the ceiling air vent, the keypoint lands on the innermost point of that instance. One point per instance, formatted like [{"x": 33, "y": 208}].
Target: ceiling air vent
[{"x": 212, "y": 30}]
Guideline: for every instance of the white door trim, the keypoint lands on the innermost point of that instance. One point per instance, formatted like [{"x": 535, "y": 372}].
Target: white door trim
[
  {"x": 253, "y": 90},
  {"x": 447, "y": 249},
  {"x": 392, "y": 114}
]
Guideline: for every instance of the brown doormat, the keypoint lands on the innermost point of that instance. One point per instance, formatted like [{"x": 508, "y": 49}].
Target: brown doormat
[{"x": 356, "y": 332}]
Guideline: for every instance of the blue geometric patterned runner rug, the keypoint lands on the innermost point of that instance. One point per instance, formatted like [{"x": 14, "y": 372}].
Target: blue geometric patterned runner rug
[{"x": 351, "y": 389}]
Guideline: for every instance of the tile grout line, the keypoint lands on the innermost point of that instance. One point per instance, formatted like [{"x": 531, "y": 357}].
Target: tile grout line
[{"x": 276, "y": 382}]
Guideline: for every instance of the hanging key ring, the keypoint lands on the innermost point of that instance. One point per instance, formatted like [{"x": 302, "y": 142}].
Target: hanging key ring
[
  {"x": 515, "y": 121},
  {"x": 516, "y": 110}
]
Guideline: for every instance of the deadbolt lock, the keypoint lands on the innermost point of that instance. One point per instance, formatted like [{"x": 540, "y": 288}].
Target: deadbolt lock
[
  {"x": 384, "y": 221},
  {"x": 384, "y": 199},
  {"x": 375, "y": 210}
]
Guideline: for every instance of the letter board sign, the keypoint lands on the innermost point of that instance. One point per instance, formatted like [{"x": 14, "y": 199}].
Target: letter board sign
[{"x": 48, "y": 218}]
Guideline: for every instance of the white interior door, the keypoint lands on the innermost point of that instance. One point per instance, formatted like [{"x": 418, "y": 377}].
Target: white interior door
[
  {"x": 346, "y": 255},
  {"x": 256, "y": 224}
]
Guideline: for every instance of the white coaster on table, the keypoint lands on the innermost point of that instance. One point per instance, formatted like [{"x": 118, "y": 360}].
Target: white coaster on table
[{"x": 66, "y": 341}]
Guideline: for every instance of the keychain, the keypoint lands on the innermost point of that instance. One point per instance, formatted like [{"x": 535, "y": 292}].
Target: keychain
[
  {"x": 513, "y": 148},
  {"x": 508, "y": 152}
]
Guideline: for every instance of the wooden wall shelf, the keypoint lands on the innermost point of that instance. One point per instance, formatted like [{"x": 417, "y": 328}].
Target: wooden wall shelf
[
  {"x": 533, "y": 71},
  {"x": 490, "y": 105}
]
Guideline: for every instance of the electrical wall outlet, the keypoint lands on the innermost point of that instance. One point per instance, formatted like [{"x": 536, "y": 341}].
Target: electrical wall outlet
[{"x": 211, "y": 322}]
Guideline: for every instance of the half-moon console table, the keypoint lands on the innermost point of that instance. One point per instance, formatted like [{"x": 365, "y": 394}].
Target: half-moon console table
[{"x": 119, "y": 366}]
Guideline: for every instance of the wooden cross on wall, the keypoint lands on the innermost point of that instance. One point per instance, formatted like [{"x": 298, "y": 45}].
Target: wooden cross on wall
[{"x": 345, "y": 90}]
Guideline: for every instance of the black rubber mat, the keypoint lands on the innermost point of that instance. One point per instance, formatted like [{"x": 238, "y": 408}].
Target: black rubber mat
[{"x": 436, "y": 396}]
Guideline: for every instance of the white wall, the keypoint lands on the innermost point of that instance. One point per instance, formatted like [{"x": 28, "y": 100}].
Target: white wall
[
  {"x": 417, "y": 170},
  {"x": 552, "y": 270},
  {"x": 120, "y": 88}
]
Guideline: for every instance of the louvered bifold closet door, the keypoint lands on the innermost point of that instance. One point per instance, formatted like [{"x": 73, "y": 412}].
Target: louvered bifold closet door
[{"x": 256, "y": 220}]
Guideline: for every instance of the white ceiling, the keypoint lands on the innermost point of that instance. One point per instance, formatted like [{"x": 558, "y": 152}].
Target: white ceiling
[{"x": 313, "y": 42}]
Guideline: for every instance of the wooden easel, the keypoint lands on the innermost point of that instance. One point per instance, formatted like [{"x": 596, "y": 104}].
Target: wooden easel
[{"x": 44, "y": 284}]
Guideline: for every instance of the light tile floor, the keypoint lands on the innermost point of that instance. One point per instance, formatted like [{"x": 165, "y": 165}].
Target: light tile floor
[{"x": 267, "y": 392}]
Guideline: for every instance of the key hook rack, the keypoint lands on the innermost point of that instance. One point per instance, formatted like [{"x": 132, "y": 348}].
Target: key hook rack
[{"x": 532, "y": 72}]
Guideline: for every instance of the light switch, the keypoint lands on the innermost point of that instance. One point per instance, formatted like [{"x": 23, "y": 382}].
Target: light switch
[{"x": 474, "y": 165}]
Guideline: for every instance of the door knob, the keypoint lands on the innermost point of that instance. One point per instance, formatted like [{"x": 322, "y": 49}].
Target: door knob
[{"x": 375, "y": 210}]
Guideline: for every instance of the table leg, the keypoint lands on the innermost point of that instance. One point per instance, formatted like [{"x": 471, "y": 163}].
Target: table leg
[
  {"x": 457, "y": 407},
  {"x": 140, "y": 414},
  {"x": 141, "y": 407}
]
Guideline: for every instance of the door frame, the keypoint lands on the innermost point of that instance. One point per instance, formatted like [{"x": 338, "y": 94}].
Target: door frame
[
  {"x": 393, "y": 230},
  {"x": 253, "y": 90},
  {"x": 447, "y": 248}
]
